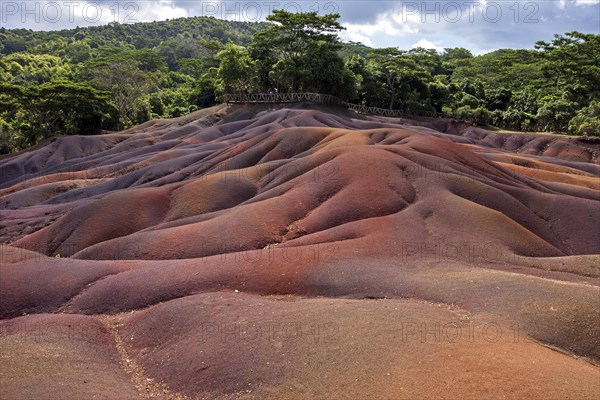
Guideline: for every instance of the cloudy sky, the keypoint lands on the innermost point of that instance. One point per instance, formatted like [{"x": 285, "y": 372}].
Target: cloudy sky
[{"x": 479, "y": 25}]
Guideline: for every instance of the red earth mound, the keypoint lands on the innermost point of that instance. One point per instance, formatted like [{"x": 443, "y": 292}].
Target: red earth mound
[{"x": 177, "y": 239}]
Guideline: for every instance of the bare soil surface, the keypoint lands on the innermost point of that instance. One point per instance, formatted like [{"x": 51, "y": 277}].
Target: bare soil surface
[{"x": 300, "y": 252}]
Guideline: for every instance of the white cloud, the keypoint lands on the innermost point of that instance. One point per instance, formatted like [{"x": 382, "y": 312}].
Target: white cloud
[
  {"x": 426, "y": 44},
  {"x": 356, "y": 37},
  {"x": 390, "y": 23},
  {"x": 50, "y": 15},
  {"x": 578, "y": 3},
  {"x": 396, "y": 23},
  {"x": 158, "y": 11}
]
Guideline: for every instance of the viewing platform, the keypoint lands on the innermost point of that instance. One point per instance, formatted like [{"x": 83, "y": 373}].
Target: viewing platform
[{"x": 278, "y": 98}]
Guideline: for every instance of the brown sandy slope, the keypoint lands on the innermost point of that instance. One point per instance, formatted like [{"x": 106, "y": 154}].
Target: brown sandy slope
[{"x": 300, "y": 252}]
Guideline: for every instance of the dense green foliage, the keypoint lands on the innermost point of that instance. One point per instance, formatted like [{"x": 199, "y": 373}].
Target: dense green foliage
[
  {"x": 554, "y": 88},
  {"x": 108, "y": 77},
  {"x": 112, "y": 77},
  {"x": 40, "y": 111}
]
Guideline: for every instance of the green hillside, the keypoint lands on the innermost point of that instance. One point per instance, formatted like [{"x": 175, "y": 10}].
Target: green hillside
[{"x": 111, "y": 77}]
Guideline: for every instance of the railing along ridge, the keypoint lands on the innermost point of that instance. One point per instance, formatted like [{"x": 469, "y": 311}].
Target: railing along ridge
[{"x": 323, "y": 99}]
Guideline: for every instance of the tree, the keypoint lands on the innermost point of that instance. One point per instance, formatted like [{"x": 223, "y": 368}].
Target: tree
[
  {"x": 283, "y": 49},
  {"x": 204, "y": 90},
  {"x": 321, "y": 70},
  {"x": 517, "y": 119},
  {"x": 10, "y": 139},
  {"x": 128, "y": 86},
  {"x": 288, "y": 75},
  {"x": 182, "y": 46},
  {"x": 328, "y": 72},
  {"x": 512, "y": 69},
  {"x": 573, "y": 65},
  {"x": 78, "y": 51},
  {"x": 474, "y": 87},
  {"x": 236, "y": 68},
  {"x": 54, "y": 108},
  {"x": 292, "y": 34},
  {"x": 498, "y": 99},
  {"x": 587, "y": 121},
  {"x": 469, "y": 101},
  {"x": 404, "y": 75},
  {"x": 69, "y": 107},
  {"x": 390, "y": 65},
  {"x": 147, "y": 60},
  {"x": 555, "y": 114},
  {"x": 453, "y": 58},
  {"x": 478, "y": 115},
  {"x": 525, "y": 102},
  {"x": 439, "y": 94},
  {"x": 32, "y": 69},
  {"x": 13, "y": 45}
]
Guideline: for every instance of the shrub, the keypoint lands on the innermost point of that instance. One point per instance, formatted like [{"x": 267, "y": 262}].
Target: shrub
[
  {"x": 555, "y": 115},
  {"x": 587, "y": 121},
  {"x": 479, "y": 115}
]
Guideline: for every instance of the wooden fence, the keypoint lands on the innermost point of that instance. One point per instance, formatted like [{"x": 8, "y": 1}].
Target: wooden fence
[{"x": 324, "y": 99}]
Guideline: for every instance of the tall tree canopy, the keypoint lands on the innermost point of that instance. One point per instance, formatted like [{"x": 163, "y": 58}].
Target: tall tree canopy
[
  {"x": 288, "y": 53},
  {"x": 236, "y": 68},
  {"x": 52, "y": 108}
]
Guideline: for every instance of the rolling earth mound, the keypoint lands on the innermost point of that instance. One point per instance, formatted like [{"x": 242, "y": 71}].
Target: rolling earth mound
[{"x": 254, "y": 251}]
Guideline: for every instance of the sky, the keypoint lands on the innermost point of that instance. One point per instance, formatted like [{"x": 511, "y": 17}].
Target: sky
[{"x": 478, "y": 25}]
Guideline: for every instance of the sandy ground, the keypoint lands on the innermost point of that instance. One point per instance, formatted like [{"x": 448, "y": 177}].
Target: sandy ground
[{"x": 255, "y": 252}]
